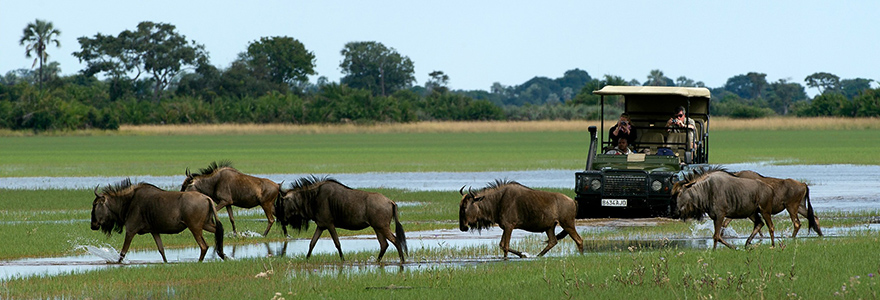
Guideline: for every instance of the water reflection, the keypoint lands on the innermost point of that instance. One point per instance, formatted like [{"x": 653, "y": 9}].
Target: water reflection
[
  {"x": 832, "y": 187},
  {"x": 477, "y": 249}
]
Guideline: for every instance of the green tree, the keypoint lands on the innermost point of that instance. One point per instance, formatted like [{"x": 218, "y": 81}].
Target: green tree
[
  {"x": 824, "y": 82},
  {"x": 281, "y": 60},
  {"x": 784, "y": 94},
  {"x": 372, "y": 66},
  {"x": 586, "y": 97},
  {"x": 36, "y": 37},
  {"x": 656, "y": 78},
  {"x": 748, "y": 86},
  {"x": 853, "y": 87},
  {"x": 156, "y": 49},
  {"x": 687, "y": 82},
  {"x": 868, "y": 103},
  {"x": 438, "y": 82}
]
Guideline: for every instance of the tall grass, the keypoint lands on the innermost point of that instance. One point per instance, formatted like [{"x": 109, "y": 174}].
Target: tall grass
[{"x": 717, "y": 123}]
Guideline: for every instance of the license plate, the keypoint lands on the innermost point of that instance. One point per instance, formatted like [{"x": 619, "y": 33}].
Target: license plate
[{"x": 614, "y": 202}]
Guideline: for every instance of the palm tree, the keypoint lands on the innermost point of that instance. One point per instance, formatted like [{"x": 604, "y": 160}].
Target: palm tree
[
  {"x": 36, "y": 36},
  {"x": 656, "y": 78}
]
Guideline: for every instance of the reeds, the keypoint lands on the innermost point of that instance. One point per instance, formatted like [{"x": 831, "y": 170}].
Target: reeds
[{"x": 773, "y": 123}]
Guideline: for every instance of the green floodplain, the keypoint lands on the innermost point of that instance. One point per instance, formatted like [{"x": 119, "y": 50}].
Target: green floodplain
[
  {"x": 56, "y": 220},
  {"x": 393, "y": 152}
]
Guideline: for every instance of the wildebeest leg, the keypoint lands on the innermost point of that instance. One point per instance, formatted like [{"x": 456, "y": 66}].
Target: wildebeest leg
[
  {"x": 318, "y": 232},
  {"x": 129, "y": 235},
  {"x": 717, "y": 236},
  {"x": 726, "y": 222},
  {"x": 231, "y": 220},
  {"x": 505, "y": 243},
  {"x": 551, "y": 241},
  {"x": 385, "y": 233},
  {"x": 335, "y": 237},
  {"x": 269, "y": 209},
  {"x": 793, "y": 210},
  {"x": 756, "y": 219},
  {"x": 159, "y": 244},
  {"x": 572, "y": 231},
  {"x": 383, "y": 244},
  {"x": 200, "y": 239},
  {"x": 768, "y": 218}
]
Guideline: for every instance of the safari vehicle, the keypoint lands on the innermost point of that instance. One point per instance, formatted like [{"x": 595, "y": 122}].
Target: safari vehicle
[{"x": 639, "y": 185}]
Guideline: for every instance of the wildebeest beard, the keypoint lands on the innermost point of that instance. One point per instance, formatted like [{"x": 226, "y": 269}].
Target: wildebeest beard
[
  {"x": 297, "y": 223},
  {"x": 481, "y": 224},
  {"x": 111, "y": 224}
]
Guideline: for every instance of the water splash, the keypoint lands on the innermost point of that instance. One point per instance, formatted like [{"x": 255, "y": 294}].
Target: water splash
[
  {"x": 246, "y": 234},
  {"x": 707, "y": 227},
  {"x": 105, "y": 252}
]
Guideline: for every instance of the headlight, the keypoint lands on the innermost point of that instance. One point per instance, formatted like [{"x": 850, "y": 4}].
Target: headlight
[
  {"x": 595, "y": 184},
  {"x": 656, "y": 185}
]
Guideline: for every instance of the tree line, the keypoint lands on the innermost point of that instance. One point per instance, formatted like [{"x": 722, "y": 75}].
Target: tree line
[{"x": 153, "y": 75}]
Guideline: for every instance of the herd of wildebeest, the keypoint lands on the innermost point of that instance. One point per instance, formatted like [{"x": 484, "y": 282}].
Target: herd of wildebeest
[{"x": 144, "y": 208}]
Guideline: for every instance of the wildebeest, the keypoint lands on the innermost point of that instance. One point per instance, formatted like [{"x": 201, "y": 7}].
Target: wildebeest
[
  {"x": 722, "y": 195},
  {"x": 229, "y": 187},
  {"x": 144, "y": 208},
  {"x": 332, "y": 205},
  {"x": 790, "y": 195},
  {"x": 514, "y": 206}
]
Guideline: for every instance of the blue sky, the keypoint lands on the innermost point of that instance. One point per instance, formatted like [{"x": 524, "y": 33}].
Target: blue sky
[{"x": 477, "y": 43}]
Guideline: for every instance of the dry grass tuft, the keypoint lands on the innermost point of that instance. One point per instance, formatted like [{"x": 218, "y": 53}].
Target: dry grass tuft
[
  {"x": 789, "y": 123},
  {"x": 420, "y": 127},
  {"x": 717, "y": 123}
]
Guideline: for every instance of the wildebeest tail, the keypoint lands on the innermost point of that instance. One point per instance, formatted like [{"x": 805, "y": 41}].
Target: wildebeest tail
[
  {"x": 811, "y": 216},
  {"x": 398, "y": 230},
  {"x": 218, "y": 232},
  {"x": 562, "y": 235}
]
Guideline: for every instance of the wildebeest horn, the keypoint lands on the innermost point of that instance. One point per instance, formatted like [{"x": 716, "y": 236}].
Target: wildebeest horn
[
  {"x": 96, "y": 190},
  {"x": 188, "y": 175},
  {"x": 461, "y": 191}
]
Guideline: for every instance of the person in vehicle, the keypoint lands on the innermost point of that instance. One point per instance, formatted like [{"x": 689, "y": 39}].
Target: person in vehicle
[
  {"x": 623, "y": 128},
  {"x": 679, "y": 123},
  {"x": 622, "y": 147},
  {"x": 678, "y": 120}
]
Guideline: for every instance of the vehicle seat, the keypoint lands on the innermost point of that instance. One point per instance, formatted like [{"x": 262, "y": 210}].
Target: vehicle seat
[
  {"x": 677, "y": 141},
  {"x": 651, "y": 140}
]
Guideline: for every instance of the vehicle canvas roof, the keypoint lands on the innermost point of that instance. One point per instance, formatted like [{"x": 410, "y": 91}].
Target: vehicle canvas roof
[{"x": 654, "y": 90}]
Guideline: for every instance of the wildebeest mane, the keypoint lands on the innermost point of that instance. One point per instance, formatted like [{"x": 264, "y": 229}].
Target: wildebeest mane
[
  {"x": 699, "y": 173},
  {"x": 486, "y": 223},
  {"x": 307, "y": 188},
  {"x": 214, "y": 166},
  {"x": 121, "y": 193},
  {"x": 497, "y": 184}
]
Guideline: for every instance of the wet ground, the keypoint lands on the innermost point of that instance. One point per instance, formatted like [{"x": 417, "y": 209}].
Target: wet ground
[
  {"x": 835, "y": 187},
  {"x": 832, "y": 187},
  {"x": 483, "y": 247}
]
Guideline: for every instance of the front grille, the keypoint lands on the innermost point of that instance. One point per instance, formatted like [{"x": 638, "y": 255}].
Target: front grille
[{"x": 625, "y": 185}]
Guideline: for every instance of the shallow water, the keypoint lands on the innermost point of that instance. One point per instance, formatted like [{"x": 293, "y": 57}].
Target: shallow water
[
  {"x": 105, "y": 256},
  {"x": 832, "y": 187}
]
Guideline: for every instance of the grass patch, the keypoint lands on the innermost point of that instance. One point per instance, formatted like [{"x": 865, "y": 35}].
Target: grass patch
[
  {"x": 804, "y": 268},
  {"x": 393, "y": 152}
]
